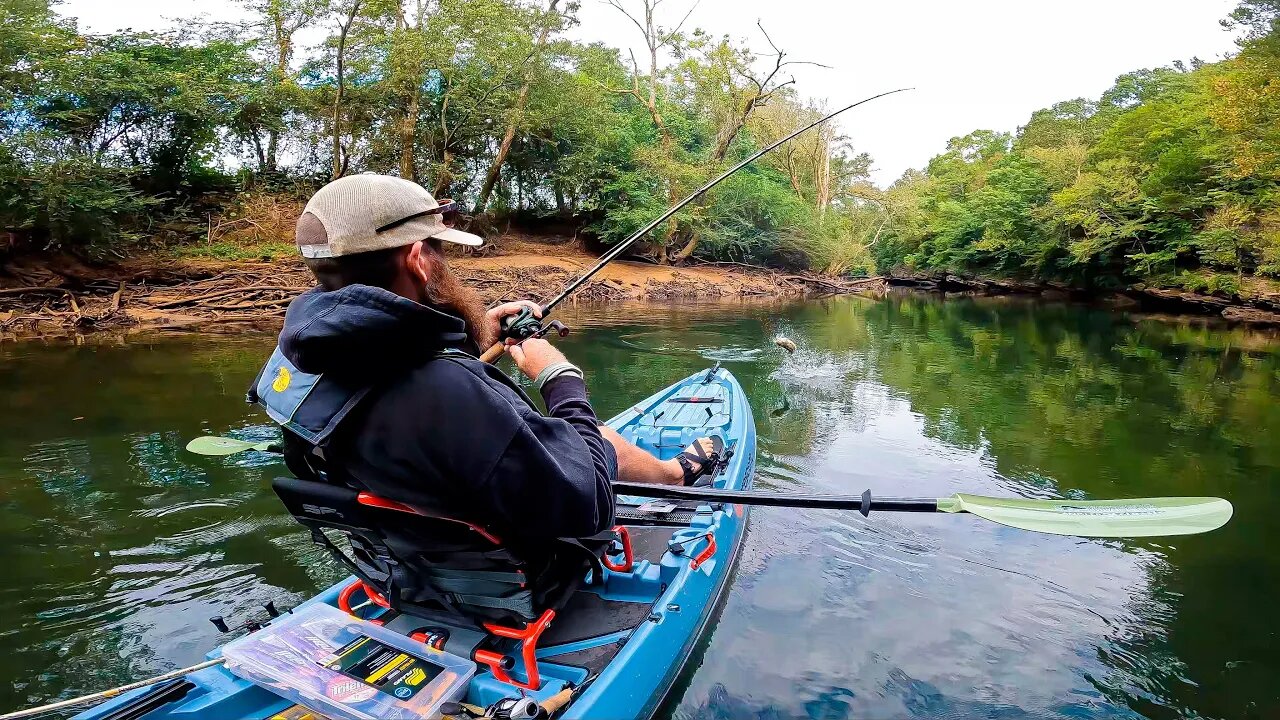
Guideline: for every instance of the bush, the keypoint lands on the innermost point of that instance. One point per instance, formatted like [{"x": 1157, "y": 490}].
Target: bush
[{"x": 72, "y": 203}]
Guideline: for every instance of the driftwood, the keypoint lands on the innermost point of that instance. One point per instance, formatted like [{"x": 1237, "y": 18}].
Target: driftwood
[
  {"x": 844, "y": 286},
  {"x": 249, "y": 305},
  {"x": 224, "y": 293}
]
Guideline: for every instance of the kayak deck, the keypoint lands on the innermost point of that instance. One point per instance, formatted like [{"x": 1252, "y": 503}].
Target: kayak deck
[{"x": 630, "y": 636}]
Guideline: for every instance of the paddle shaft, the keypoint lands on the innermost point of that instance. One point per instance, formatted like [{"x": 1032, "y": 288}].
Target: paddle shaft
[
  {"x": 495, "y": 350},
  {"x": 864, "y": 503}
]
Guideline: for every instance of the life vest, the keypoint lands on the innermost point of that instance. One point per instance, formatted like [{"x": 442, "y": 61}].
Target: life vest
[{"x": 421, "y": 560}]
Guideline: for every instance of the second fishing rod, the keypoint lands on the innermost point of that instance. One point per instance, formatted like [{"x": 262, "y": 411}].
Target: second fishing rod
[{"x": 526, "y": 325}]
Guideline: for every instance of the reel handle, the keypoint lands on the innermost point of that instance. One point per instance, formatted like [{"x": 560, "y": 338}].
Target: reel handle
[{"x": 521, "y": 326}]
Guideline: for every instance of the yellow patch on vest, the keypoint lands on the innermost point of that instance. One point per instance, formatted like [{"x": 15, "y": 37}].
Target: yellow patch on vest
[{"x": 281, "y": 383}]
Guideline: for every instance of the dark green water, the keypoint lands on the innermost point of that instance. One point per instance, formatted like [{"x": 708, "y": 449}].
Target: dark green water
[{"x": 116, "y": 545}]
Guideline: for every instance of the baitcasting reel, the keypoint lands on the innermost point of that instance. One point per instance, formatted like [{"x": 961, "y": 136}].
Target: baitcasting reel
[
  {"x": 504, "y": 709},
  {"x": 523, "y": 325}
]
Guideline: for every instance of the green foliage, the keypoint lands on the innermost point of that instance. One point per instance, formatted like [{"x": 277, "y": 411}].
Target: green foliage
[
  {"x": 1173, "y": 173},
  {"x": 226, "y": 250},
  {"x": 104, "y": 138}
]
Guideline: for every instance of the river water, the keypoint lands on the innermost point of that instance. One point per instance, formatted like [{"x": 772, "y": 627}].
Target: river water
[{"x": 116, "y": 544}]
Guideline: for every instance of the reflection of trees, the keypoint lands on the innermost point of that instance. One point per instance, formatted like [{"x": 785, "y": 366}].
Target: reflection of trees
[
  {"x": 118, "y": 544},
  {"x": 1110, "y": 409}
]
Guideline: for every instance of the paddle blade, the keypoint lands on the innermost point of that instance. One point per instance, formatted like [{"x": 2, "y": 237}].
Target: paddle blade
[
  {"x": 218, "y": 446},
  {"x": 1138, "y": 517}
]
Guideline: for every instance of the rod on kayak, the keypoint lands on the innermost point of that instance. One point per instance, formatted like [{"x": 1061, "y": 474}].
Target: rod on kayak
[
  {"x": 108, "y": 694},
  {"x": 1136, "y": 517},
  {"x": 524, "y": 324}
]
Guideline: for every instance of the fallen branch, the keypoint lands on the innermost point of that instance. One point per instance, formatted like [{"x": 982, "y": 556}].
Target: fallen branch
[
  {"x": 245, "y": 306},
  {"x": 761, "y": 268},
  {"x": 224, "y": 293},
  {"x": 33, "y": 289},
  {"x": 849, "y": 285}
]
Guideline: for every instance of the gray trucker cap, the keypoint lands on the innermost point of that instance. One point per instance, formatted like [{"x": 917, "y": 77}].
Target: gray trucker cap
[{"x": 363, "y": 213}]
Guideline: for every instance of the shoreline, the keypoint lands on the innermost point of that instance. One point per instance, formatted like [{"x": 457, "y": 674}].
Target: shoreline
[
  {"x": 1258, "y": 312},
  {"x": 62, "y": 298}
]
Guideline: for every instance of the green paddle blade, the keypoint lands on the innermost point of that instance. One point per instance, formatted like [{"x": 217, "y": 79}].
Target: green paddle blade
[
  {"x": 1138, "y": 517},
  {"x": 216, "y": 446}
]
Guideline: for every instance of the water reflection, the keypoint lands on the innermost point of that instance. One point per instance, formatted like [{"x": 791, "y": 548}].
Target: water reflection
[{"x": 118, "y": 544}]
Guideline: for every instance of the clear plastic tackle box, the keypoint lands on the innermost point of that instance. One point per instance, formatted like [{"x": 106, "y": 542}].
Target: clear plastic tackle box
[{"x": 349, "y": 669}]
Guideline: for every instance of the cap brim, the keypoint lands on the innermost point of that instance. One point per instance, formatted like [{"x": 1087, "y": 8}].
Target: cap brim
[{"x": 459, "y": 237}]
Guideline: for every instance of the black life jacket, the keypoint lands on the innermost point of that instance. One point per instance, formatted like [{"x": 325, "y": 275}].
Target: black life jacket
[{"x": 424, "y": 561}]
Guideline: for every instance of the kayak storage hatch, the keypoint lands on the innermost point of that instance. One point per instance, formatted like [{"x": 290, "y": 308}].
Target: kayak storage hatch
[{"x": 622, "y": 643}]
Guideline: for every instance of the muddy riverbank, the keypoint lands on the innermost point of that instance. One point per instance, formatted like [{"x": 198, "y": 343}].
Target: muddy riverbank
[{"x": 61, "y": 296}]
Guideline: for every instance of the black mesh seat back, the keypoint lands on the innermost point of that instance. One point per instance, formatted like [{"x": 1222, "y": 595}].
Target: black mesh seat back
[{"x": 438, "y": 567}]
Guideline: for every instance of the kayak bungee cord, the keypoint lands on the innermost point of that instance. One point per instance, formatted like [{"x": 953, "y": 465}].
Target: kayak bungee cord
[{"x": 525, "y": 325}]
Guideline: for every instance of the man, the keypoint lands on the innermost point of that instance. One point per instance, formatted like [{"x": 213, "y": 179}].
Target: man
[{"x": 413, "y": 416}]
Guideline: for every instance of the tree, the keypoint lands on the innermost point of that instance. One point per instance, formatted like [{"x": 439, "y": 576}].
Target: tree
[
  {"x": 347, "y": 17},
  {"x": 725, "y": 80},
  {"x": 274, "y": 25},
  {"x": 550, "y": 22}
]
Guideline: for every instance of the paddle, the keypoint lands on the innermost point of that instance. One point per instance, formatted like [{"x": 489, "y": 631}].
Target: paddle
[
  {"x": 218, "y": 446},
  {"x": 1137, "y": 517}
]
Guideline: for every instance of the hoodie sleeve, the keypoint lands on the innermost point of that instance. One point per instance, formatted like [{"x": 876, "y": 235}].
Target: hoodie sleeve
[{"x": 554, "y": 478}]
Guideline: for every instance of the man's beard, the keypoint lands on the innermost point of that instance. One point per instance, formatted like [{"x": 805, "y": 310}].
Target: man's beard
[{"x": 445, "y": 292}]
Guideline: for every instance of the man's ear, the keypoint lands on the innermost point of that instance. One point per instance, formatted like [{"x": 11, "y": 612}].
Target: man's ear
[{"x": 418, "y": 262}]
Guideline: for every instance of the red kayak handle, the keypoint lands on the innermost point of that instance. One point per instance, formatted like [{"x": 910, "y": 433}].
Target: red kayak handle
[
  {"x": 344, "y": 597},
  {"x": 706, "y": 553}
]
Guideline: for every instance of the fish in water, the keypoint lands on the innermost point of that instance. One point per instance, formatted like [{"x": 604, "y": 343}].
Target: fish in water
[{"x": 785, "y": 343}]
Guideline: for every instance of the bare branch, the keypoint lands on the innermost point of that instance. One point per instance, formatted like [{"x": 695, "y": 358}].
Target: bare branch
[
  {"x": 617, "y": 5},
  {"x": 671, "y": 35},
  {"x": 635, "y": 75},
  {"x": 805, "y": 62},
  {"x": 769, "y": 39},
  {"x": 606, "y": 88}
]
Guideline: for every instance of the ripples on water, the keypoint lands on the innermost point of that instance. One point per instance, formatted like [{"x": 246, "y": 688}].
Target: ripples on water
[{"x": 119, "y": 544}]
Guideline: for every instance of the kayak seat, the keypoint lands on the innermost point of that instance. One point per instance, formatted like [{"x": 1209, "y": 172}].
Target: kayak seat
[{"x": 437, "y": 567}]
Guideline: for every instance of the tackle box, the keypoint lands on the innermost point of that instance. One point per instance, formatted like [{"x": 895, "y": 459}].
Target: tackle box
[{"x": 349, "y": 669}]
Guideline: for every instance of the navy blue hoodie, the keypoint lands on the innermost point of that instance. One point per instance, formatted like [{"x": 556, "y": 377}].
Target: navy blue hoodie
[{"x": 453, "y": 434}]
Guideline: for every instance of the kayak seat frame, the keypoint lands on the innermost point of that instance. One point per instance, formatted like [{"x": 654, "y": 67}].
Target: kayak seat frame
[{"x": 618, "y": 558}]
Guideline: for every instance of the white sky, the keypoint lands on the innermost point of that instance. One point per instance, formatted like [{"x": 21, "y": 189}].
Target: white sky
[{"x": 974, "y": 64}]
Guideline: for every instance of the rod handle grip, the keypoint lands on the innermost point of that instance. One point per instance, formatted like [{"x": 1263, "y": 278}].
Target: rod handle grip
[
  {"x": 493, "y": 353},
  {"x": 557, "y": 702}
]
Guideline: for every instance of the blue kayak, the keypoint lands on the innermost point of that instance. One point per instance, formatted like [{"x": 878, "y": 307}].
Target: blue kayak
[{"x": 623, "y": 643}]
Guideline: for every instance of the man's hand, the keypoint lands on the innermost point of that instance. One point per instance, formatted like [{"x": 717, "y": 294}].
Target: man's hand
[
  {"x": 533, "y": 355},
  {"x": 493, "y": 318}
]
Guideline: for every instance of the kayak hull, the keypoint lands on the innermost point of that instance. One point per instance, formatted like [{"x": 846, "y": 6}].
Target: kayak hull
[{"x": 629, "y": 639}]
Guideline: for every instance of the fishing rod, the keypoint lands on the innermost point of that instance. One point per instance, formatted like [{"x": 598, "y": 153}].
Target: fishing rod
[
  {"x": 114, "y": 692},
  {"x": 525, "y": 324},
  {"x": 1137, "y": 517}
]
